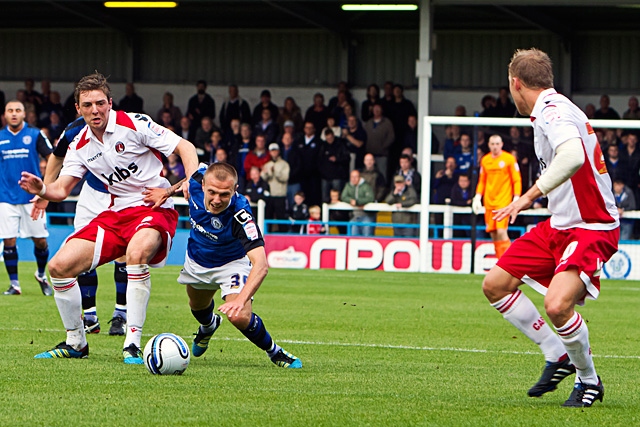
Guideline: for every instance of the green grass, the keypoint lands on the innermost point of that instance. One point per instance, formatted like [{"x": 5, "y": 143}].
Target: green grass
[{"x": 378, "y": 349}]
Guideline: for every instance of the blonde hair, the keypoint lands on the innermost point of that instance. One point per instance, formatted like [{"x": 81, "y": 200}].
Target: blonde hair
[
  {"x": 222, "y": 172},
  {"x": 532, "y": 67}
]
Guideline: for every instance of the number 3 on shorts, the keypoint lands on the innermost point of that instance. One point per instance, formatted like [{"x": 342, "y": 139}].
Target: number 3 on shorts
[{"x": 235, "y": 281}]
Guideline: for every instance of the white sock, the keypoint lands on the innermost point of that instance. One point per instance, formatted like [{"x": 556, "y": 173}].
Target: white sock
[
  {"x": 69, "y": 301},
  {"x": 518, "y": 309},
  {"x": 275, "y": 348},
  {"x": 138, "y": 292},
  {"x": 575, "y": 337}
]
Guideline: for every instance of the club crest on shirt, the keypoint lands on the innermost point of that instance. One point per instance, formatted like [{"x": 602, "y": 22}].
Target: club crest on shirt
[
  {"x": 26, "y": 140},
  {"x": 119, "y": 147},
  {"x": 216, "y": 223}
]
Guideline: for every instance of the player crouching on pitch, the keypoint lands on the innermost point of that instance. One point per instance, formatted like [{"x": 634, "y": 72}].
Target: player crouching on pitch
[{"x": 225, "y": 251}]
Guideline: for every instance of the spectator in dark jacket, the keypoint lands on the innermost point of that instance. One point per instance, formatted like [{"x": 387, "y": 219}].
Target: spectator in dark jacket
[{"x": 333, "y": 164}]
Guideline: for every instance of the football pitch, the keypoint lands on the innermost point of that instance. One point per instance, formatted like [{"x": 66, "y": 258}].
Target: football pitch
[{"x": 378, "y": 349}]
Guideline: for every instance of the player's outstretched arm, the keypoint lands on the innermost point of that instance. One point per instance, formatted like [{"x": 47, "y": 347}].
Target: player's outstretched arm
[
  {"x": 54, "y": 192},
  {"x": 189, "y": 157},
  {"x": 259, "y": 270},
  {"x": 54, "y": 165},
  {"x": 518, "y": 205},
  {"x": 157, "y": 196}
]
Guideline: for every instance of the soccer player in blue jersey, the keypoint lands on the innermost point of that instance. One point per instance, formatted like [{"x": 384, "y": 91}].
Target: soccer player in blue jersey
[
  {"x": 94, "y": 198},
  {"x": 21, "y": 146},
  {"x": 225, "y": 251}
]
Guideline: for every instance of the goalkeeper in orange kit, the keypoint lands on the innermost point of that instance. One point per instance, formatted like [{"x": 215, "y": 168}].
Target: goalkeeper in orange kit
[{"x": 500, "y": 184}]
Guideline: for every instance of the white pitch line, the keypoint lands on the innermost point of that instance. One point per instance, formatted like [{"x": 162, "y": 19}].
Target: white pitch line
[{"x": 370, "y": 345}]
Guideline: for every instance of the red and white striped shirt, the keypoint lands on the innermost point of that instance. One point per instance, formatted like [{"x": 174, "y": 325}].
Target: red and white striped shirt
[
  {"x": 585, "y": 200},
  {"x": 127, "y": 161}
]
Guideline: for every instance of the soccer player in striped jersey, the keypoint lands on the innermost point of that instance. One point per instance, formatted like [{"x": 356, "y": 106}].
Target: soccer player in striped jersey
[
  {"x": 499, "y": 183},
  {"x": 563, "y": 256}
]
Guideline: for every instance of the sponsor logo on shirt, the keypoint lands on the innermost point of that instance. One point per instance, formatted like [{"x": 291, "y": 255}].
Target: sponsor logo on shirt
[
  {"x": 120, "y": 174},
  {"x": 200, "y": 229},
  {"x": 96, "y": 157},
  {"x": 251, "y": 230},
  {"x": 156, "y": 128},
  {"x": 4, "y": 141},
  {"x": 18, "y": 153},
  {"x": 550, "y": 113},
  {"x": 598, "y": 159}
]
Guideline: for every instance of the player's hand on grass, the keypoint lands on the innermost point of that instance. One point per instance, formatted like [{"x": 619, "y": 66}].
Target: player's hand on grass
[{"x": 39, "y": 207}]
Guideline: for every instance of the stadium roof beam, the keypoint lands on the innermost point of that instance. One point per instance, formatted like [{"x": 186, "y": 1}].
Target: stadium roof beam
[
  {"x": 313, "y": 18},
  {"x": 539, "y": 20},
  {"x": 88, "y": 13}
]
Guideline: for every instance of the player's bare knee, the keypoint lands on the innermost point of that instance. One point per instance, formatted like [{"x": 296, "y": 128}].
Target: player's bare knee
[
  {"x": 559, "y": 311},
  {"x": 492, "y": 288},
  {"x": 240, "y": 321},
  {"x": 59, "y": 269},
  {"x": 137, "y": 255},
  {"x": 40, "y": 243},
  {"x": 497, "y": 284}
]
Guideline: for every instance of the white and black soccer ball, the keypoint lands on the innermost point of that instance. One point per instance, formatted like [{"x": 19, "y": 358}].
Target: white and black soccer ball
[{"x": 166, "y": 354}]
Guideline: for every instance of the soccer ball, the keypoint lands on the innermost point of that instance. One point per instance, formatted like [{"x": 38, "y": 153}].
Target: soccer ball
[{"x": 166, "y": 354}]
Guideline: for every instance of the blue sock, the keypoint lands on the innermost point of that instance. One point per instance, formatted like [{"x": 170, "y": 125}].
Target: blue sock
[
  {"x": 204, "y": 317},
  {"x": 121, "y": 279},
  {"x": 257, "y": 333},
  {"x": 42, "y": 256},
  {"x": 10, "y": 255},
  {"x": 88, "y": 287}
]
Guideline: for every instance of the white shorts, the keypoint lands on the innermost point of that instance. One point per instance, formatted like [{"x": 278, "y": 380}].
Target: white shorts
[
  {"x": 229, "y": 278},
  {"x": 90, "y": 204},
  {"x": 15, "y": 221}
]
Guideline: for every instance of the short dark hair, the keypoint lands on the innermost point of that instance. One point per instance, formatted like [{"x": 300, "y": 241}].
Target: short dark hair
[{"x": 95, "y": 81}]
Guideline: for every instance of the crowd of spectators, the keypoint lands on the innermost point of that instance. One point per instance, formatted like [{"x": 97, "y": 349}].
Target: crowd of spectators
[{"x": 284, "y": 153}]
